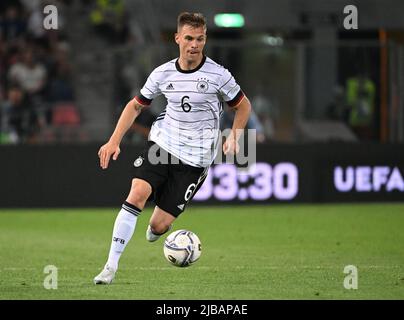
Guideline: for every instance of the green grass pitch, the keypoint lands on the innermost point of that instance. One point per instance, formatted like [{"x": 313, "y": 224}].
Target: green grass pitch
[{"x": 248, "y": 252}]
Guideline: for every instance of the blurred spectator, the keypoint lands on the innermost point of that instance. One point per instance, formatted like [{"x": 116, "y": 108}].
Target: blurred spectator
[
  {"x": 60, "y": 86},
  {"x": 360, "y": 95},
  {"x": 16, "y": 119},
  {"x": 108, "y": 19},
  {"x": 3, "y": 66},
  {"x": 31, "y": 5},
  {"x": 35, "y": 71},
  {"x": 226, "y": 122},
  {"x": 12, "y": 25},
  {"x": 31, "y": 76},
  {"x": 35, "y": 20},
  {"x": 28, "y": 74},
  {"x": 338, "y": 108},
  {"x": 266, "y": 112}
]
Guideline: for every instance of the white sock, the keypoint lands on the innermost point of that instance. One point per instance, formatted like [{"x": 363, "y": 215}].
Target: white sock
[{"x": 124, "y": 227}]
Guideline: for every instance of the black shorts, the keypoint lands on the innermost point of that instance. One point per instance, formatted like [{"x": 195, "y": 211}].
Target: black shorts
[{"x": 174, "y": 183}]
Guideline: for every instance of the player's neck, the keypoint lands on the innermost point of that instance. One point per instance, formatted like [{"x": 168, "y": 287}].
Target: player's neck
[{"x": 189, "y": 65}]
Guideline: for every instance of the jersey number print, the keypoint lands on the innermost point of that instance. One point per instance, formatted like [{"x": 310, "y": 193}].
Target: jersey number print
[{"x": 185, "y": 105}]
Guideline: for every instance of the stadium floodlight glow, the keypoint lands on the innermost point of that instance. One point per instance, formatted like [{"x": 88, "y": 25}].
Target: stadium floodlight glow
[{"x": 229, "y": 20}]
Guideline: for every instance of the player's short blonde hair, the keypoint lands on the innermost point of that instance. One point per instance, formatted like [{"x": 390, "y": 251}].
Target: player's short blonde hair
[{"x": 195, "y": 20}]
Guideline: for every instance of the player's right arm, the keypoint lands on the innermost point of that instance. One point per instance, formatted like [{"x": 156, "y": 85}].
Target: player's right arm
[
  {"x": 111, "y": 148},
  {"x": 149, "y": 91}
]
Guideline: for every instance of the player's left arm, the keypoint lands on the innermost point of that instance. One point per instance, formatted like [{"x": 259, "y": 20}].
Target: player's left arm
[{"x": 242, "y": 113}]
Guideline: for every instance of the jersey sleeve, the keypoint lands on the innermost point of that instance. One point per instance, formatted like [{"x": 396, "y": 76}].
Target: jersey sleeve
[
  {"x": 229, "y": 89},
  {"x": 149, "y": 91}
]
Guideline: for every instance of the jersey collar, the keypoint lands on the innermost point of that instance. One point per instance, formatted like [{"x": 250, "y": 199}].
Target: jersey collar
[{"x": 177, "y": 65}]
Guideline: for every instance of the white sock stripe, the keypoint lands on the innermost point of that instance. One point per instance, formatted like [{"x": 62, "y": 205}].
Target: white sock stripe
[{"x": 130, "y": 210}]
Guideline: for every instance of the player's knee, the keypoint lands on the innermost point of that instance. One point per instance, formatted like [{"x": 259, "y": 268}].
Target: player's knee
[{"x": 159, "y": 228}]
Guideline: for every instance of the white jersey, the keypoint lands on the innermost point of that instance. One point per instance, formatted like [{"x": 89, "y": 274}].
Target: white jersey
[{"x": 189, "y": 127}]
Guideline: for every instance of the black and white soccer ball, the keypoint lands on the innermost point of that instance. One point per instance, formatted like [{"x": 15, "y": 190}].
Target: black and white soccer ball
[{"x": 182, "y": 248}]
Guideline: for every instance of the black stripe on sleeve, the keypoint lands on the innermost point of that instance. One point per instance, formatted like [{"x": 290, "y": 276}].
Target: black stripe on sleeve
[
  {"x": 236, "y": 100},
  {"x": 143, "y": 100}
]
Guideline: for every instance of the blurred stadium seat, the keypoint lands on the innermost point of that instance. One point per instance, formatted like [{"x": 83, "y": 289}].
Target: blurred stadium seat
[{"x": 65, "y": 114}]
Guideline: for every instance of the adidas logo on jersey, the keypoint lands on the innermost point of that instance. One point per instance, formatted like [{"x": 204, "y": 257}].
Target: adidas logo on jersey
[
  {"x": 181, "y": 206},
  {"x": 170, "y": 87}
]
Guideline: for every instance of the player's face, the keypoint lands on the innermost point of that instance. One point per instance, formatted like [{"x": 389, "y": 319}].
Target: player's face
[{"x": 191, "y": 42}]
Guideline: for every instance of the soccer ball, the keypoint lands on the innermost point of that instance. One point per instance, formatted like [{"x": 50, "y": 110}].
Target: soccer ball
[{"x": 182, "y": 248}]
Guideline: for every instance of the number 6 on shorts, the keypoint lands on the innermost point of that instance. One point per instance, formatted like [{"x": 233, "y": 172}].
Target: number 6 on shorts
[{"x": 190, "y": 191}]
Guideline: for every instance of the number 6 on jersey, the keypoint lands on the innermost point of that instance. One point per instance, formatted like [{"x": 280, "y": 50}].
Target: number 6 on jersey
[{"x": 185, "y": 105}]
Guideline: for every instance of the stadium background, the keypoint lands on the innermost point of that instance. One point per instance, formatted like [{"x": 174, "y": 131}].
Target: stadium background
[{"x": 328, "y": 102}]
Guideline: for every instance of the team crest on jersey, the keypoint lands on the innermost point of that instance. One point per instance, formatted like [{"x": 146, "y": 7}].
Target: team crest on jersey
[
  {"x": 138, "y": 162},
  {"x": 202, "y": 85}
]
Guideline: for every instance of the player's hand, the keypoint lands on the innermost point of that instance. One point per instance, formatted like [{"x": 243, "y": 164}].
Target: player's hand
[
  {"x": 106, "y": 151},
  {"x": 231, "y": 146}
]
